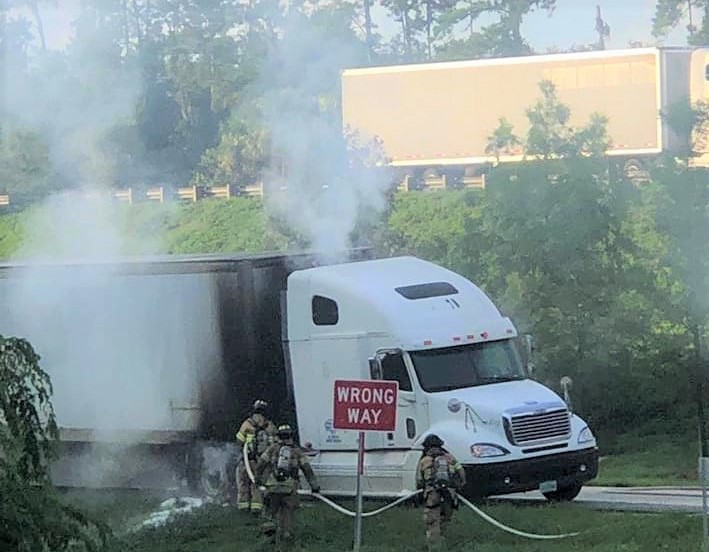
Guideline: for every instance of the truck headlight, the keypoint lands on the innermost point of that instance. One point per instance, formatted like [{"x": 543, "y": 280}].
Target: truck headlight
[
  {"x": 487, "y": 450},
  {"x": 586, "y": 436}
]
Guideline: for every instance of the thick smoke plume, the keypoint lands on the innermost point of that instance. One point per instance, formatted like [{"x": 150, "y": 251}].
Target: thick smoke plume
[{"x": 318, "y": 187}]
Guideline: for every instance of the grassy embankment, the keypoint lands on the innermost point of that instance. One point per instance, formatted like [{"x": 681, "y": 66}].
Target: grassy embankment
[
  {"x": 320, "y": 529},
  {"x": 206, "y": 227},
  {"x": 650, "y": 457}
]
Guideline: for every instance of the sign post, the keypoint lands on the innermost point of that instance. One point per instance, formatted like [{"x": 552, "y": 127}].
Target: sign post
[
  {"x": 358, "y": 509},
  {"x": 364, "y": 405}
]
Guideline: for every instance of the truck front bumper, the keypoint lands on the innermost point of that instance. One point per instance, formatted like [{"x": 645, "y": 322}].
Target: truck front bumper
[{"x": 567, "y": 469}]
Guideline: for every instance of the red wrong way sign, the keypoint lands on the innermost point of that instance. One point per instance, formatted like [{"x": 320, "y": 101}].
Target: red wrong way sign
[{"x": 365, "y": 405}]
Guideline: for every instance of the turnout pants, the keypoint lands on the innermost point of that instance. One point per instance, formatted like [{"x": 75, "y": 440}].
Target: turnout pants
[
  {"x": 249, "y": 494},
  {"x": 437, "y": 513},
  {"x": 279, "y": 516}
]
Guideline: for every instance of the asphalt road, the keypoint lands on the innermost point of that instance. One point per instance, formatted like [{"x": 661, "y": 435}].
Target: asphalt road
[{"x": 630, "y": 499}]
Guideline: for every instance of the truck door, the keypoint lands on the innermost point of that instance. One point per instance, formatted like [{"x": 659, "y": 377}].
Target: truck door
[{"x": 390, "y": 365}]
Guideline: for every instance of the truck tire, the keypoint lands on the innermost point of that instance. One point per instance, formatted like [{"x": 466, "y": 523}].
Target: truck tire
[
  {"x": 208, "y": 468},
  {"x": 565, "y": 494}
]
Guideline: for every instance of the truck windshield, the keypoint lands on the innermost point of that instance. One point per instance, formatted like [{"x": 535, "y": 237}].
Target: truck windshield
[{"x": 467, "y": 366}]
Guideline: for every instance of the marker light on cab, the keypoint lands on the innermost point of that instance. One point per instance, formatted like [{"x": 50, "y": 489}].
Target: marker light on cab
[{"x": 487, "y": 450}]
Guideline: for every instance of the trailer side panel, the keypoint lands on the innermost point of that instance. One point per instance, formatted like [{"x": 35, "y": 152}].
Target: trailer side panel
[{"x": 443, "y": 113}]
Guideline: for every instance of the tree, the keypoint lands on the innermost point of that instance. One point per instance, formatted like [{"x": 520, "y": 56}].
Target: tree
[
  {"x": 501, "y": 37},
  {"x": 511, "y": 14},
  {"x": 549, "y": 131},
  {"x": 679, "y": 201},
  {"x": 680, "y": 198},
  {"x": 34, "y": 7},
  {"x": 408, "y": 13},
  {"x": 36, "y": 14},
  {"x": 558, "y": 259},
  {"x": 690, "y": 123},
  {"x": 364, "y": 23},
  {"x": 669, "y": 13},
  {"x": 25, "y": 167},
  {"x": 464, "y": 13},
  {"x": 592, "y": 139},
  {"x": 502, "y": 140},
  {"x": 15, "y": 37},
  {"x": 434, "y": 9},
  {"x": 32, "y": 517},
  {"x": 550, "y": 134},
  {"x": 239, "y": 158},
  {"x": 437, "y": 227}
]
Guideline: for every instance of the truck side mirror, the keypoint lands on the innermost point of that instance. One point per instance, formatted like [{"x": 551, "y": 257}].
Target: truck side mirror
[
  {"x": 566, "y": 384},
  {"x": 375, "y": 369},
  {"x": 531, "y": 368},
  {"x": 528, "y": 342}
]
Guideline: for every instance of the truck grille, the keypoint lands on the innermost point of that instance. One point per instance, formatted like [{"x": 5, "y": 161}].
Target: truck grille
[{"x": 545, "y": 426}]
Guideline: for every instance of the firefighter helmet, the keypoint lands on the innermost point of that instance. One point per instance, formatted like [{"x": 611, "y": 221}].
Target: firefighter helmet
[
  {"x": 260, "y": 406},
  {"x": 432, "y": 441},
  {"x": 285, "y": 431}
]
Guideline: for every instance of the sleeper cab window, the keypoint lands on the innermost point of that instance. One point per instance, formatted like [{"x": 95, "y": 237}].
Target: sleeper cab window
[{"x": 325, "y": 311}]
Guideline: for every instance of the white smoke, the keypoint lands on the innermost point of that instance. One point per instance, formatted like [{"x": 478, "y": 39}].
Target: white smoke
[
  {"x": 321, "y": 190},
  {"x": 73, "y": 100},
  {"x": 121, "y": 347}
]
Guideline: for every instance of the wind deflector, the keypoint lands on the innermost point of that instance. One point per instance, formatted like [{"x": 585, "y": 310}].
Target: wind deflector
[{"x": 424, "y": 291}]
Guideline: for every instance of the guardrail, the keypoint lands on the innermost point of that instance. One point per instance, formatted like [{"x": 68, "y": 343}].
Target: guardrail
[
  {"x": 161, "y": 194},
  {"x": 442, "y": 182},
  {"x": 192, "y": 194}
]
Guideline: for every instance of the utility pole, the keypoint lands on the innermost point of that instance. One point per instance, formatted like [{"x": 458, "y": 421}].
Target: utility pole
[
  {"x": 703, "y": 449},
  {"x": 691, "y": 28},
  {"x": 602, "y": 28},
  {"x": 368, "y": 28}
]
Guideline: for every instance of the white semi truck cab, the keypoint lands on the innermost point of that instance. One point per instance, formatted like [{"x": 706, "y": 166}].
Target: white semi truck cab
[{"x": 460, "y": 376}]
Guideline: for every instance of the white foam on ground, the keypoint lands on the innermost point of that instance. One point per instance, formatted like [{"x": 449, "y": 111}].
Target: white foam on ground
[{"x": 170, "y": 509}]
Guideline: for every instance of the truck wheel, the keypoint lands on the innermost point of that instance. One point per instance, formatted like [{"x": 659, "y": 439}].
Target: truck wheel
[
  {"x": 213, "y": 485},
  {"x": 209, "y": 470},
  {"x": 565, "y": 494}
]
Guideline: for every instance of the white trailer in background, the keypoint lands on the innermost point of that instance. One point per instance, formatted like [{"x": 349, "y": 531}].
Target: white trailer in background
[{"x": 435, "y": 118}]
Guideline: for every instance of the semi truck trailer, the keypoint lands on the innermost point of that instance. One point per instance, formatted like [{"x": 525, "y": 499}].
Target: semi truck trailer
[
  {"x": 155, "y": 361},
  {"x": 437, "y": 117}
]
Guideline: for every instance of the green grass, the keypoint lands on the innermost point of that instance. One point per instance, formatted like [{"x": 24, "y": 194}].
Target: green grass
[
  {"x": 649, "y": 457},
  {"x": 210, "y": 226},
  {"x": 11, "y": 234},
  {"x": 320, "y": 529}
]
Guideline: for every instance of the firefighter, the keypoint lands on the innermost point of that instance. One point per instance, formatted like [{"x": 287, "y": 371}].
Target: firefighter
[
  {"x": 256, "y": 433},
  {"x": 278, "y": 470},
  {"x": 439, "y": 476}
]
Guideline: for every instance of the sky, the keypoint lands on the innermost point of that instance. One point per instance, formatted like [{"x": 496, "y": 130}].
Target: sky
[{"x": 573, "y": 22}]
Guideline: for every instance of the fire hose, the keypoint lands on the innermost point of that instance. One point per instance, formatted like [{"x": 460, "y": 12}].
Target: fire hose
[{"x": 398, "y": 501}]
